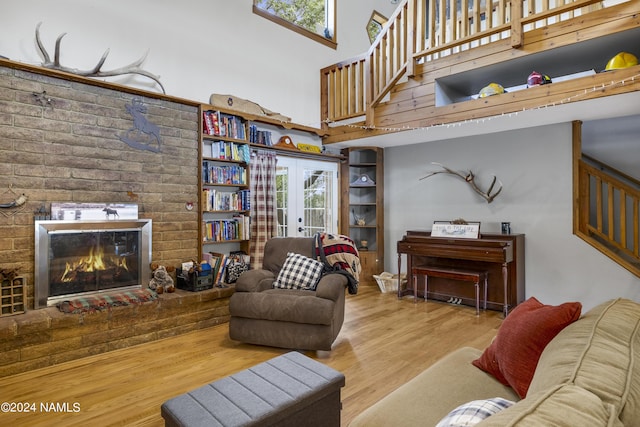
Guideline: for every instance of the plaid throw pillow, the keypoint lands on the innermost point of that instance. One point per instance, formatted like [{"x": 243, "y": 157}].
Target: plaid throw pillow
[
  {"x": 473, "y": 412},
  {"x": 299, "y": 272}
]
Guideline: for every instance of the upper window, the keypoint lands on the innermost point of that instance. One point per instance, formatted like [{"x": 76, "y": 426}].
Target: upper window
[
  {"x": 375, "y": 24},
  {"x": 312, "y": 18}
]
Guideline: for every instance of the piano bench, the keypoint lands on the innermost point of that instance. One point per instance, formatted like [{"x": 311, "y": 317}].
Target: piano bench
[{"x": 465, "y": 275}]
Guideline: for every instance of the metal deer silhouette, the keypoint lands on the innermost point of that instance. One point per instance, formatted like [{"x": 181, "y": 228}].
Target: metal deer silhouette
[
  {"x": 144, "y": 135},
  {"x": 133, "y": 68},
  {"x": 469, "y": 178}
]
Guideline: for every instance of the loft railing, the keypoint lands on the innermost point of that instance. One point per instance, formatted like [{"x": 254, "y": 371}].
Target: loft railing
[
  {"x": 608, "y": 212},
  {"x": 422, "y": 30}
]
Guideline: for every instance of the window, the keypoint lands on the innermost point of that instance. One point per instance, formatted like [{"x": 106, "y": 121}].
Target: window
[
  {"x": 374, "y": 27},
  {"x": 312, "y": 18}
]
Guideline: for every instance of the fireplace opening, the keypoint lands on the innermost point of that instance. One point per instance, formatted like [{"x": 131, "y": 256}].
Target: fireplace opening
[{"x": 80, "y": 258}]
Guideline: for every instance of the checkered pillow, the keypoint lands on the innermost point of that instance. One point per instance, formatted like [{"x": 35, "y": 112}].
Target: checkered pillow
[
  {"x": 472, "y": 413},
  {"x": 299, "y": 272}
]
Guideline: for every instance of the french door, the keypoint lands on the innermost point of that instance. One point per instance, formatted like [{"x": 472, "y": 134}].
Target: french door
[{"x": 307, "y": 197}]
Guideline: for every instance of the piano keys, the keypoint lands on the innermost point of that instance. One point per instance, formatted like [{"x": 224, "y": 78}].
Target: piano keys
[{"x": 502, "y": 255}]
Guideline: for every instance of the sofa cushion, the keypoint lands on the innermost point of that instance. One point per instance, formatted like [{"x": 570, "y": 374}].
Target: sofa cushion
[
  {"x": 564, "y": 405},
  {"x": 599, "y": 353},
  {"x": 471, "y": 413},
  {"x": 513, "y": 355},
  {"x": 299, "y": 272}
]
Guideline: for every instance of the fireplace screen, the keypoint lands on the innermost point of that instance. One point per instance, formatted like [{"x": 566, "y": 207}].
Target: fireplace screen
[{"x": 83, "y": 257}]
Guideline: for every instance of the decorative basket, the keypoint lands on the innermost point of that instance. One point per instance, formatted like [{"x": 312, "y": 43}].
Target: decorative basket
[{"x": 388, "y": 282}]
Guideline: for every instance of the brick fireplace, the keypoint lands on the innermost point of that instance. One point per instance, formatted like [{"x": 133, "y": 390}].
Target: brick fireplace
[{"x": 76, "y": 147}]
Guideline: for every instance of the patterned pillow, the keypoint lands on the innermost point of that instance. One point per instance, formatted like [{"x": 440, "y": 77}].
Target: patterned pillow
[
  {"x": 299, "y": 272},
  {"x": 472, "y": 413}
]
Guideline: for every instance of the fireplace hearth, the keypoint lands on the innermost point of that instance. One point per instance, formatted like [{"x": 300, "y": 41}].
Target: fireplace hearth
[{"x": 81, "y": 258}]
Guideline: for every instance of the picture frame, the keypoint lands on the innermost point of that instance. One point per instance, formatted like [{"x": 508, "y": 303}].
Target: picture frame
[{"x": 470, "y": 230}]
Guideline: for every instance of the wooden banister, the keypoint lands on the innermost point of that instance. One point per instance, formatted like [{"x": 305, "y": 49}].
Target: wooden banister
[
  {"x": 608, "y": 209},
  {"x": 420, "y": 31}
]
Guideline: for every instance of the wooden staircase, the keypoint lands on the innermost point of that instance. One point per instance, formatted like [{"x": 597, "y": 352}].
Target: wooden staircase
[{"x": 606, "y": 208}]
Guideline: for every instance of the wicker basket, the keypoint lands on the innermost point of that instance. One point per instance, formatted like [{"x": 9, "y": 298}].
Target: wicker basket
[{"x": 388, "y": 282}]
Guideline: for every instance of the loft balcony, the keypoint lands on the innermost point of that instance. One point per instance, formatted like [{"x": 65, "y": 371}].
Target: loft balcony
[{"x": 427, "y": 66}]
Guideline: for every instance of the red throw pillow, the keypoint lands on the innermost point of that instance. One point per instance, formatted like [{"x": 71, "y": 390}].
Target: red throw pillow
[{"x": 513, "y": 355}]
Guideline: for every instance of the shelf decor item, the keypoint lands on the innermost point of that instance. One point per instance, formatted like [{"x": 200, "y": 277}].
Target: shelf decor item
[
  {"x": 358, "y": 220},
  {"x": 309, "y": 147},
  {"x": 286, "y": 143},
  {"x": 364, "y": 181}
]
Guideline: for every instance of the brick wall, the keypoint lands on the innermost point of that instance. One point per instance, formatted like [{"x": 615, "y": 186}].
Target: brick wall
[{"x": 60, "y": 141}]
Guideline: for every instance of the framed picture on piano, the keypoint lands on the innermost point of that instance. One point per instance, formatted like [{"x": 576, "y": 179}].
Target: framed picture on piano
[{"x": 470, "y": 230}]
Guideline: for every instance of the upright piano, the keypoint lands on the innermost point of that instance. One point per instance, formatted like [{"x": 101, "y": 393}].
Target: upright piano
[{"x": 501, "y": 255}]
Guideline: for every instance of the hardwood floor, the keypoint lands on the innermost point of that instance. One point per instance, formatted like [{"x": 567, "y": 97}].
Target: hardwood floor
[{"x": 384, "y": 342}]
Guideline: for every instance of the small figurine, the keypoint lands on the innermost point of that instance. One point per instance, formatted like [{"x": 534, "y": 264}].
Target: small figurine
[{"x": 161, "y": 280}]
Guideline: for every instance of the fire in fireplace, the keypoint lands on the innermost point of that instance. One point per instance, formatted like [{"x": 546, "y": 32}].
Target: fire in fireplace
[{"x": 79, "y": 258}]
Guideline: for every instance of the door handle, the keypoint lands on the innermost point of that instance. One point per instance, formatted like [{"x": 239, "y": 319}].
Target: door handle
[{"x": 300, "y": 229}]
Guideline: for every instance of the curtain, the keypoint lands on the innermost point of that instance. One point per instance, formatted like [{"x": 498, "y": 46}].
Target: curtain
[{"x": 262, "y": 175}]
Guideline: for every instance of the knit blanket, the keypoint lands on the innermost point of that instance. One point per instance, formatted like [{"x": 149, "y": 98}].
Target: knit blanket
[
  {"x": 93, "y": 303},
  {"x": 341, "y": 255}
]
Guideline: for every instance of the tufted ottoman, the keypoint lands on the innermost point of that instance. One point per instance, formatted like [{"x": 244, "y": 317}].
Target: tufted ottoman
[{"x": 288, "y": 390}]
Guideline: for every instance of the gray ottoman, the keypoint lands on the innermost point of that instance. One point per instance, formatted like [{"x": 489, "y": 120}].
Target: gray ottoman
[{"x": 288, "y": 390}]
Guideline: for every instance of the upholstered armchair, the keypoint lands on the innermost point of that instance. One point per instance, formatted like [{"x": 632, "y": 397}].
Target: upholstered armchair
[{"x": 299, "y": 319}]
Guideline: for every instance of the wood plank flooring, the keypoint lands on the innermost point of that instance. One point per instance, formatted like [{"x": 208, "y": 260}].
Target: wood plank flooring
[{"x": 384, "y": 342}]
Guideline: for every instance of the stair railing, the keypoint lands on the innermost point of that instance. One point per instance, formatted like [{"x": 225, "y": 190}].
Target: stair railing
[
  {"x": 417, "y": 33},
  {"x": 608, "y": 212}
]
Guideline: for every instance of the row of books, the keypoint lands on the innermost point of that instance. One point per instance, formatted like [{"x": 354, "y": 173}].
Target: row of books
[
  {"x": 262, "y": 137},
  {"x": 220, "y": 124},
  {"x": 226, "y": 150},
  {"x": 219, "y": 262},
  {"x": 221, "y": 230},
  {"x": 215, "y": 200},
  {"x": 213, "y": 173}
]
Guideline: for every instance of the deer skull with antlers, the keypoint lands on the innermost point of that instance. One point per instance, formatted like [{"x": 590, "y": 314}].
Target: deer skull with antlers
[
  {"x": 469, "y": 177},
  {"x": 133, "y": 68}
]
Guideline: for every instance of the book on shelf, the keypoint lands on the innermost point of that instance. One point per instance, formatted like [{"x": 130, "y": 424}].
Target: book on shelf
[
  {"x": 257, "y": 136},
  {"x": 216, "y": 200},
  {"x": 228, "y": 229},
  {"x": 213, "y": 173},
  {"x": 227, "y": 150},
  {"x": 223, "y": 265},
  {"x": 244, "y": 226},
  {"x": 216, "y": 123},
  {"x": 216, "y": 259},
  {"x": 211, "y": 122},
  {"x": 231, "y": 126}
]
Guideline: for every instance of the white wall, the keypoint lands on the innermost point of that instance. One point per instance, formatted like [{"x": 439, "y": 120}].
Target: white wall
[
  {"x": 197, "y": 47},
  {"x": 534, "y": 166}
]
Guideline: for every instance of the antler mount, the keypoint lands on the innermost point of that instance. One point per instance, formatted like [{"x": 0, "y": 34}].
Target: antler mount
[
  {"x": 469, "y": 177},
  {"x": 133, "y": 68}
]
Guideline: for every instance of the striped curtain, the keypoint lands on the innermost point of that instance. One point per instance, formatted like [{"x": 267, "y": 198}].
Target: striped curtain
[{"x": 262, "y": 173}]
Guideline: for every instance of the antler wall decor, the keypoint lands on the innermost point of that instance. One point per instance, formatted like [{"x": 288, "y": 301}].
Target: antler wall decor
[
  {"x": 469, "y": 177},
  {"x": 133, "y": 68}
]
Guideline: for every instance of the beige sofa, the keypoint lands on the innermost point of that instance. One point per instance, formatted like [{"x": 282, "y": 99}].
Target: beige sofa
[{"x": 588, "y": 375}]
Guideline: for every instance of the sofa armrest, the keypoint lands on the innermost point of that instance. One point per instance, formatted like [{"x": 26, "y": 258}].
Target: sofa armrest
[
  {"x": 255, "y": 281},
  {"x": 331, "y": 286}
]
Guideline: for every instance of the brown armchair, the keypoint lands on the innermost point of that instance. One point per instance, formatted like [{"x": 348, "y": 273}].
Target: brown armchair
[{"x": 287, "y": 318}]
